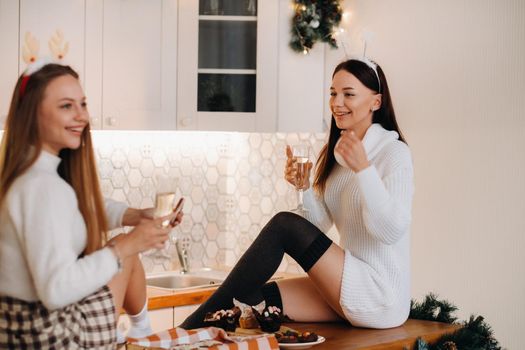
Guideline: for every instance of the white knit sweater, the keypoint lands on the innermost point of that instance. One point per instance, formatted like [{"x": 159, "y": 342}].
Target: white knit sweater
[
  {"x": 372, "y": 213},
  {"x": 42, "y": 234}
]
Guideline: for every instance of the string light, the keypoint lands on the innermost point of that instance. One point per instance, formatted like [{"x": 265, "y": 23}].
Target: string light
[{"x": 315, "y": 21}]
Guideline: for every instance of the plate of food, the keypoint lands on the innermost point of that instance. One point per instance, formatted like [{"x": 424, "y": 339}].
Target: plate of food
[{"x": 297, "y": 340}]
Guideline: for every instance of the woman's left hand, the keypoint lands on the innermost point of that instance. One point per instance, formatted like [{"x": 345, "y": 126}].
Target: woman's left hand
[
  {"x": 133, "y": 217},
  {"x": 352, "y": 150}
]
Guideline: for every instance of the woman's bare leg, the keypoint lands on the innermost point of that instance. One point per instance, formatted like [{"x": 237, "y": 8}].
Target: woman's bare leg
[
  {"x": 135, "y": 296},
  {"x": 119, "y": 283},
  {"x": 320, "y": 291}
]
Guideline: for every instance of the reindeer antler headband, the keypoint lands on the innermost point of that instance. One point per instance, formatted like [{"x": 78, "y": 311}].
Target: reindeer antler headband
[{"x": 57, "y": 46}]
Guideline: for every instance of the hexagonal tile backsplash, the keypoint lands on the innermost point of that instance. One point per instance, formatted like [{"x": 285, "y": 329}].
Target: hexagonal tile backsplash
[{"x": 233, "y": 184}]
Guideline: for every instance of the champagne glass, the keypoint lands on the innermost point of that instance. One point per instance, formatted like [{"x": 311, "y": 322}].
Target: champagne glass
[
  {"x": 301, "y": 158},
  {"x": 166, "y": 188}
]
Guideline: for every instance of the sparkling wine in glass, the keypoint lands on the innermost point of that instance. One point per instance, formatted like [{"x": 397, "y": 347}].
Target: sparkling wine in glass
[
  {"x": 301, "y": 158},
  {"x": 166, "y": 189},
  {"x": 164, "y": 202}
]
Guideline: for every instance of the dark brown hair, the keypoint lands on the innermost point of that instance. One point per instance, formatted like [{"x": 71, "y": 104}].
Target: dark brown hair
[
  {"x": 385, "y": 116},
  {"x": 21, "y": 146}
]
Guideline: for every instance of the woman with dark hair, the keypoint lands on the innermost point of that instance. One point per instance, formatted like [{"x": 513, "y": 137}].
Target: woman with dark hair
[
  {"x": 62, "y": 284},
  {"x": 364, "y": 185}
]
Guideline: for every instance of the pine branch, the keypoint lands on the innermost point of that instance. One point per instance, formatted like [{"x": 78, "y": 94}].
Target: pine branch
[
  {"x": 432, "y": 309},
  {"x": 474, "y": 334}
]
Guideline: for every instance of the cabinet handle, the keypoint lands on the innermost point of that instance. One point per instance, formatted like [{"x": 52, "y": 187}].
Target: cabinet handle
[
  {"x": 186, "y": 121},
  {"x": 93, "y": 120},
  {"x": 111, "y": 121}
]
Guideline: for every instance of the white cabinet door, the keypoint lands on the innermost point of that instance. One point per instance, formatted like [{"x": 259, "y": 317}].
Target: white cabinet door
[
  {"x": 139, "y": 62},
  {"x": 9, "y": 54},
  {"x": 43, "y": 18},
  {"x": 180, "y": 313},
  {"x": 217, "y": 89}
]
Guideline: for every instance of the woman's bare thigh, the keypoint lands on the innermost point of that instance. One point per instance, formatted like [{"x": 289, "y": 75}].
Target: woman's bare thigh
[{"x": 303, "y": 303}]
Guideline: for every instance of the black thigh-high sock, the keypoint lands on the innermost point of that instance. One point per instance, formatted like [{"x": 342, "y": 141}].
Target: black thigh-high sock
[{"x": 285, "y": 233}]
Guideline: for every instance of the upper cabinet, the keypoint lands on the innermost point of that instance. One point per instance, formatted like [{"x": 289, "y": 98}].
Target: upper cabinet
[
  {"x": 9, "y": 58},
  {"x": 175, "y": 64},
  {"x": 227, "y": 65},
  {"x": 132, "y": 63}
]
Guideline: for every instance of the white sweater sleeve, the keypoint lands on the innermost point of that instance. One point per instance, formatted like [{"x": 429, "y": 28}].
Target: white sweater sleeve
[
  {"x": 386, "y": 202},
  {"x": 114, "y": 212},
  {"x": 52, "y": 233},
  {"x": 317, "y": 213}
]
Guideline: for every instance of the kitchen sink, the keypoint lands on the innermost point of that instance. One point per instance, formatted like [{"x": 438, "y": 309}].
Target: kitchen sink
[{"x": 176, "y": 281}]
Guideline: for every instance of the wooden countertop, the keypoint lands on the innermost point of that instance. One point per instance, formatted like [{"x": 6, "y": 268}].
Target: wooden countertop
[
  {"x": 343, "y": 336},
  {"x": 338, "y": 335},
  {"x": 159, "y": 298}
]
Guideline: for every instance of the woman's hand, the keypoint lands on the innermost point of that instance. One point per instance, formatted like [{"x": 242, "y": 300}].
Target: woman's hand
[
  {"x": 290, "y": 169},
  {"x": 146, "y": 235},
  {"x": 352, "y": 150},
  {"x": 134, "y": 217}
]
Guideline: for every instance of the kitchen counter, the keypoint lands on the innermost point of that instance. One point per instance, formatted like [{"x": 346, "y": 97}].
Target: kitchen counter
[
  {"x": 159, "y": 298},
  {"x": 338, "y": 335}
]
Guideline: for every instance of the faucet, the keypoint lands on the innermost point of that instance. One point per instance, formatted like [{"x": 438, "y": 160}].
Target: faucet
[{"x": 183, "y": 246}]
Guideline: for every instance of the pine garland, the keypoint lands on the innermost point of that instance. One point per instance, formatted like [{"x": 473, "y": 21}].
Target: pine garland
[
  {"x": 474, "y": 334},
  {"x": 314, "y": 20}
]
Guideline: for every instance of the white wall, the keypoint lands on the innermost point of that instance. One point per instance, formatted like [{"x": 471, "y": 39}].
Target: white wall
[
  {"x": 456, "y": 70},
  {"x": 300, "y": 89}
]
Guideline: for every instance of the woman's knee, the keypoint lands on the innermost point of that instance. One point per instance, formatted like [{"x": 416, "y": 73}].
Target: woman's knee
[{"x": 285, "y": 219}]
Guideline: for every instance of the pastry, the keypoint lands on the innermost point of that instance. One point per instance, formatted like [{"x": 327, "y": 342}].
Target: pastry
[
  {"x": 269, "y": 319},
  {"x": 248, "y": 319},
  {"x": 225, "y": 319}
]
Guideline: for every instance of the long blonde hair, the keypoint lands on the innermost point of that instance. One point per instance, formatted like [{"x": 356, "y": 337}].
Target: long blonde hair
[{"x": 21, "y": 146}]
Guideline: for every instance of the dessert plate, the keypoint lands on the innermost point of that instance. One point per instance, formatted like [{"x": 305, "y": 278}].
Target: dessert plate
[{"x": 297, "y": 346}]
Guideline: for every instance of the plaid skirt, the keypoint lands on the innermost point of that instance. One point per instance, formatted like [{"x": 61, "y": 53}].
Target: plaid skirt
[{"x": 87, "y": 324}]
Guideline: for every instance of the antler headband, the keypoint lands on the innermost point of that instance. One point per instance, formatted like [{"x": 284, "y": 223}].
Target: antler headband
[{"x": 57, "y": 46}]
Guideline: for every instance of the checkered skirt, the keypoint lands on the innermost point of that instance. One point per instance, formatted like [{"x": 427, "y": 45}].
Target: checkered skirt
[{"x": 88, "y": 324}]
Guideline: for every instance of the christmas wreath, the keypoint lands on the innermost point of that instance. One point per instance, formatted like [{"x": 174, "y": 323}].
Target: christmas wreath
[
  {"x": 474, "y": 334},
  {"x": 314, "y": 20}
]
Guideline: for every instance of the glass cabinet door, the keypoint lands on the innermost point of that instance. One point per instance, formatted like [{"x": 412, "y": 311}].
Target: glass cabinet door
[
  {"x": 227, "y": 56},
  {"x": 227, "y": 65}
]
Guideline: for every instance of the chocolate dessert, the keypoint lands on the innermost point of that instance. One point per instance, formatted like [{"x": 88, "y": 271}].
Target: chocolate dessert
[
  {"x": 225, "y": 319},
  {"x": 269, "y": 319}
]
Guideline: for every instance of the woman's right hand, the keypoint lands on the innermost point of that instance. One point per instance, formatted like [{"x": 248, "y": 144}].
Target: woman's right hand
[
  {"x": 290, "y": 169},
  {"x": 148, "y": 234}
]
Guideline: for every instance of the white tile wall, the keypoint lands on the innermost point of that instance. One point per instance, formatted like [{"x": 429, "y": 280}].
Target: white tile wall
[{"x": 233, "y": 184}]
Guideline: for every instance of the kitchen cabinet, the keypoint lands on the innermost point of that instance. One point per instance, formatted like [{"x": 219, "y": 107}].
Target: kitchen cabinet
[
  {"x": 124, "y": 52},
  {"x": 132, "y": 63},
  {"x": 9, "y": 12},
  {"x": 227, "y": 65},
  {"x": 181, "y": 312}
]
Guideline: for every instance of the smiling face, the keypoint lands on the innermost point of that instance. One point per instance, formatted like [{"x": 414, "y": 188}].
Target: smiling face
[
  {"x": 352, "y": 103},
  {"x": 62, "y": 115}
]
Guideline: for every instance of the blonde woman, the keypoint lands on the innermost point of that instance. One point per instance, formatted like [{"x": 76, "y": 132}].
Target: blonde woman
[{"x": 62, "y": 285}]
